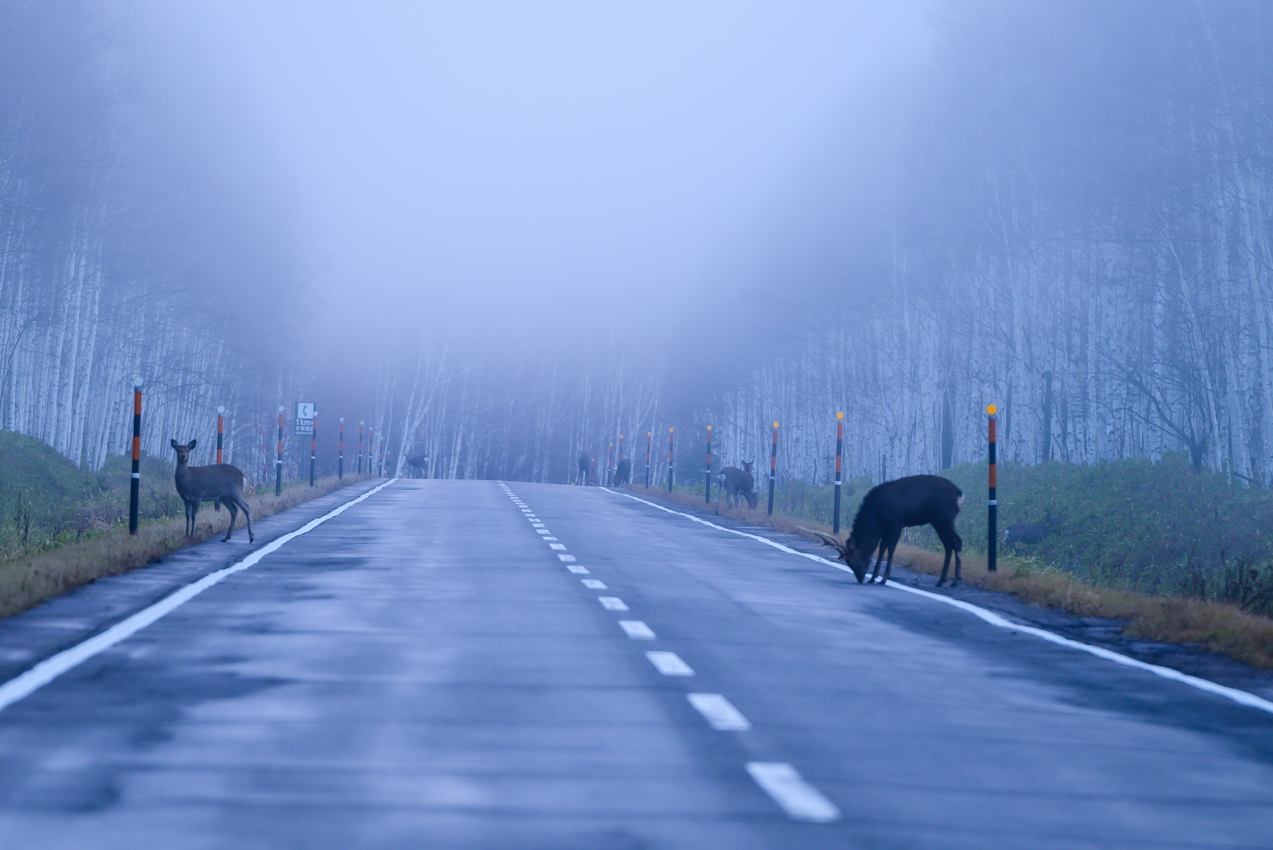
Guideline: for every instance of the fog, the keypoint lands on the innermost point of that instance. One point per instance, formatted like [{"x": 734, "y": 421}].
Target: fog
[
  {"x": 504, "y": 235},
  {"x": 523, "y": 166}
]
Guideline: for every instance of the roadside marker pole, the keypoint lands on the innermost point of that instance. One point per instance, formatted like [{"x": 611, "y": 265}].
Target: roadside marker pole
[
  {"x": 709, "y": 465},
  {"x": 839, "y": 465},
  {"x": 992, "y": 542},
  {"x": 278, "y": 464},
  {"x": 773, "y": 469},
  {"x": 313, "y": 447},
  {"x": 371, "y": 449},
  {"x": 671, "y": 456},
  {"x": 649, "y": 445},
  {"x": 220, "y": 429},
  {"x": 340, "y": 454},
  {"x": 610, "y": 464},
  {"x": 360, "y": 446},
  {"x": 381, "y": 457},
  {"x": 134, "y": 486}
]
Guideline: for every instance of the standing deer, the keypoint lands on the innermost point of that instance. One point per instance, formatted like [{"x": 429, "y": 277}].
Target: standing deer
[
  {"x": 893, "y": 506},
  {"x": 623, "y": 472},
  {"x": 585, "y": 469},
  {"x": 736, "y": 483},
  {"x": 221, "y": 483}
]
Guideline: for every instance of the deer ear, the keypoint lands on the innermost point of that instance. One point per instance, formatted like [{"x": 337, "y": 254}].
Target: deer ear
[
  {"x": 174, "y": 443},
  {"x": 192, "y": 443}
]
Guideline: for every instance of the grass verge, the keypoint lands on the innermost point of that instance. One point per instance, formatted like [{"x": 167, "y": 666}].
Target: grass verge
[
  {"x": 27, "y": 581},
  {"x": 1216, "y": 626}
]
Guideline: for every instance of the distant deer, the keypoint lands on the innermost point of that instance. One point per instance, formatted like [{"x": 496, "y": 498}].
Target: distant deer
[
  {"x": 737, "y": 483},
  {"x": 221, "y": 484},
  {"x": 419, "y": 465},
  {"x": 891, "y": 507},
  {"x": 623, "y": 472},
  {"x": 585, "y": 469},
  {"x": 1028, "y": 532}
]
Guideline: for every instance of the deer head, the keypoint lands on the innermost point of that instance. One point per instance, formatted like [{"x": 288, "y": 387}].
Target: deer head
[{"x": 183, "y": 452}]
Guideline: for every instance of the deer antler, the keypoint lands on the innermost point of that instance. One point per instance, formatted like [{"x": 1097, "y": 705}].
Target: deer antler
[{"x": 825, "y": 538}]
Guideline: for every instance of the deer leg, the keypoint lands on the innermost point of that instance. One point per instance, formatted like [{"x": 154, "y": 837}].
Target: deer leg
[
  {"x": 944, "y": 567},
  {"x": 234, "y": 516},
  {"x": 247, "y": 514},
  {"x": 194, "y": 517},
  {"x": 888, "y": 568},
  {"x": 189, "y": 519},
  {"x": 951, "y": 542},
  {"x": 879, "y": 556}
]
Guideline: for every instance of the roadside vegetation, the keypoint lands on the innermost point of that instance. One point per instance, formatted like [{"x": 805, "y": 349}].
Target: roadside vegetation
[
  {"x": 1181, "y": 557},
  {"x": 61, "y": 528}
]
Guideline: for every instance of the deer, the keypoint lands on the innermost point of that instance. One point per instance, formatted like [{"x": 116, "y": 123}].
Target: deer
[
  {"x": 895, "y": 505},
  {"x": 221, "y": 483},
  {"x": 736, "y": 483},
  {"x": 585, "y": 469},
  {"x": 623, "y": 472},
  {"x": 1028, "y": 532}
]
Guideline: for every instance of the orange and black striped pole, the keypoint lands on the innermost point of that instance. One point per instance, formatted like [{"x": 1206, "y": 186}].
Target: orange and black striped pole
[
  {"x": 381, "y": 457},
  {"x": 278, "y": 463},
  {"x": 313, "y": 447},
  {"x": 134, "y": 486},
  {"x": 773, "y": 469},
  {"x": 610, "y": 464},
  {"x": 709, "y": 465},
  {"x": 220, "y": 429},
  {"x": 839, "y": 466},
  {"x": 360, "y": 446},
  {"x": 992, "y": 542},
  {"x": 340, "y": 453},
  {"x": 649, "y": 446},
  {"x": 671, "y": 456}
]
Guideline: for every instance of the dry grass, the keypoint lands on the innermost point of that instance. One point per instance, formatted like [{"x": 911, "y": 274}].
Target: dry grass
[
  {"x": 1217, "y": 626},
  {"x": 26, "y": 582}
]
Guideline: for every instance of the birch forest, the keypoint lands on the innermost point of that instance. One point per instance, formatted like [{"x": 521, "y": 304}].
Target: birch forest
[{"x": 1074, "y": 223}]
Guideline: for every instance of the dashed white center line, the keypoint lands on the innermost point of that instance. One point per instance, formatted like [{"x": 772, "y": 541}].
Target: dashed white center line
[
  {"x": 669, "y": 664},
  {"x": 637, "y": 630},
  {"x": 542, "y": 531},
  {"x": 799, "y": 799},
  {"x": 593, "y": 584},
  {"x": 567, "y": 559},
  {"x": 612, "y": 603},
  {"x": 560, "y": 547},
  {"x": 577, "y": 570},
  {"x": 719, "y": 712},
  {"x": 537, "y": 524}
]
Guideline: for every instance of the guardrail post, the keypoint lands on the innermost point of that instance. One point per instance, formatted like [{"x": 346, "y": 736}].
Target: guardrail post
[
  {"x": 839, "y": 464},
  {"x": 134, "y": 484},
  {"x": 278, "y": 464},
  {"x": 773, "y": 469},
  {"x": 220, "y": 429},
  {"x": 992, "y": 541},
  {"x": 709, "y": 465}
]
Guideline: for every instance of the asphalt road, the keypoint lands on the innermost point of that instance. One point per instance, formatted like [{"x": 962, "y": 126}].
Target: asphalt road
[{"x": 426, "y": 670}]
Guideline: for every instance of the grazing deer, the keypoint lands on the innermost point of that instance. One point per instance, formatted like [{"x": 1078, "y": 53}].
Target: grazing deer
[
  {"x": 221, "y": 483},
  {"x": 1028, "y": 532},
  {"x": 737, "y": 483},
  {"x": 623, "y": 472},
  {"x": 893, "y": 506}
]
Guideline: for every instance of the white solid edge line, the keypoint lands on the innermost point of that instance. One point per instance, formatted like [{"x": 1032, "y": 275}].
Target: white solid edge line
[
  {"x": 1239, "y": 696},
  {"x": 28, "y": 682},
  {"x": 799, "y": 799}
]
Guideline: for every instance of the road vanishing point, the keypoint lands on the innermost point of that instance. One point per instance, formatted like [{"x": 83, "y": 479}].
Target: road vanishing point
[{"x": 506, "y": 665}]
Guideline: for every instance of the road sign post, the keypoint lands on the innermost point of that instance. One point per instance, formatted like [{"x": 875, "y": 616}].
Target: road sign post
[{"x": 313, "y": 447}]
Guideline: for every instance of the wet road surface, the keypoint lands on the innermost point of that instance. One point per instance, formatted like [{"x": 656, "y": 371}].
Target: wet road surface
[{"x": 463, "y": 664}]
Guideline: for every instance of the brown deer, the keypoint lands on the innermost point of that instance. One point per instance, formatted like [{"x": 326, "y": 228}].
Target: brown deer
[
  {"x": 221, "y": 483},
  {"x": 737, "y": 484},
  {"x": 893, "y": 506}
]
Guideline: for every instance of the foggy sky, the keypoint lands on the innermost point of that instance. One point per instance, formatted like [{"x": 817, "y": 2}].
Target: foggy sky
[{"x": 529, "y": 163}]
